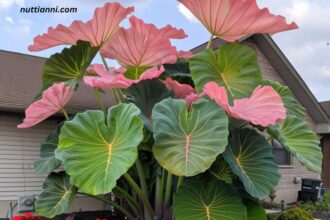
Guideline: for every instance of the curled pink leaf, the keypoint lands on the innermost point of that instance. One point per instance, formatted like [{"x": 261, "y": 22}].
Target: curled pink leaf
[
  {"x": 180, "y": 90},
  {"x": 143, "y": 45},
  {"x": 218, "y": 94},
  {"x": 105, "y": 80},
  {"x": 234, "y": 19},
  {"x": 265, "y": 107},
  {"x": 193, "y": 97},
  {"x": 53, "y": 99},
  {"x": 184, "y": 54},
  {"x": 103, "y": 26}
]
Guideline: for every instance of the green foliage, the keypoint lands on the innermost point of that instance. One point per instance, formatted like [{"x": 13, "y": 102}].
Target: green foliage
[
  {"x": 323, "y": 205},
  {"x": 97, "y": 150},
  {"x": 297, "y": 138},
  {"x": 250, "y": 157},
  {"x": 68, "y": 66},
  {"x": 213, "y": 200},
  {"x": 145, "y": 95},
  {"x": 235, "y": 67},
  {"x": 48, "y": 162},
  {"x": 296, "y": 213},
  {"x": 187, "y": 141},
  {"x": 56, "y": 196},
  {"x": 291, "y": 104}
]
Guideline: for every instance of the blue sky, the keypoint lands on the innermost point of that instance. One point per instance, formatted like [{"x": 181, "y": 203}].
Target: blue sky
[{"x": 307, "y": 48}]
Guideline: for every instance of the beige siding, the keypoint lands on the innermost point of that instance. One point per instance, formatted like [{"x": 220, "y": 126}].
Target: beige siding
[
  {"x": 19, "y": 148},
  {"x": 287, "y": 189}
]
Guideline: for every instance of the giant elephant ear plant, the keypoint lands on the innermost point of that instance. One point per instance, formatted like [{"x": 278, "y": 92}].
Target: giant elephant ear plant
[{"x": 186, "y": 135}]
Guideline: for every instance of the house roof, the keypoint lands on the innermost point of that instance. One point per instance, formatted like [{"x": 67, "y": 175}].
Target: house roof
[
  {"x": 290, "y": 76},
  {"x": 20, "y": 82}
]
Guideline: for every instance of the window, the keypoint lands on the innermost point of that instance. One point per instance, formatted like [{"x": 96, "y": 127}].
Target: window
[{"x": 282, "y": 156}]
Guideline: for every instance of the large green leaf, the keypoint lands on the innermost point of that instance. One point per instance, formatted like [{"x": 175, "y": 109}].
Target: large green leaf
[
  {"x": 57, "y": 195},
  {"x": 70, "y": 65},
  {"x": 96, "y": 151},
  {"x": 235, "y": 67},
  {"x": 187, "y": 142},
  {"x": 250, "y": 157},
  {"x": 213, "y": 201},
  {"x": 145, "y": 95},
  {"x": 291, "y": 104},
  {"x": 48, "y": 162},
  {"x": 297, "y": 138}
]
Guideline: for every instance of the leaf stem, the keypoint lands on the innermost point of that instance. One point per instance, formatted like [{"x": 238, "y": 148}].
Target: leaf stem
[
  {"x": 105, "y": 64},
  {"x": 65, "y": 113},
  {"x": 120, "y": 208},
  {"x": 100, "y": 100},
  {"x": 168, "y": 189},
  {"x": 209, "y": 44},
  {"x": 137, "y": 189},
  {"x": 180, "y": 182},
  {"x": 131, "y": 201}
]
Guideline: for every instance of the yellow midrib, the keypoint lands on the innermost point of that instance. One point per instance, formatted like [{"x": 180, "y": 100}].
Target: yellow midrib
[
  {"x": 208, "y": 213},
  {"x": 226, "y": 83},
  {"x": 109, "y": 158}
]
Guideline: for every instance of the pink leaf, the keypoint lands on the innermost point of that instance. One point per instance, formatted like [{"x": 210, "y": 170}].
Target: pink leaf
[
  {"x": 107, "y": 81},
  {"x": 218, "y": 94},
  {"x": 184, "y": 54},
  {"x": 143, "y": 44},
  {"x": 265, "y": 107},
  {"x": 53, "y": 99},
  {"x": 193, "y": 97},
  {"x": 234, "y": 19},
  {"x": 180, "y": 90},
  {"x": 98, "y": 30}
]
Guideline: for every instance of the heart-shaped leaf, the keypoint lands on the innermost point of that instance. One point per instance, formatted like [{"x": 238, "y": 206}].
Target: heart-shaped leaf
[
  {"x": 250, "y": 157},
  {"x": 235, "y": 67},
  {"x": 297, "y": 138},
  {"x": 187, "y": 141},
  {"x": 291, "y": 104},
  {"x": 96, "y": 151},
  {"x": 215, "y": 200},
  {"x": 70, "y": 65},
  {"x": 48, "y": 162},
  {"x": 57, "y": 195},
  {"x": 145, "y": 95}
]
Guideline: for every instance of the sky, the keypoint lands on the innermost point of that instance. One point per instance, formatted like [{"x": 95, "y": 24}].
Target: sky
[{"x": 307, "y": 48}]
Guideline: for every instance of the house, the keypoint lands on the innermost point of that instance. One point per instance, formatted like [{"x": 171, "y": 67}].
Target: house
[
  {"x": 326, "y": 150},
  {"x": 19, "y": 148}
]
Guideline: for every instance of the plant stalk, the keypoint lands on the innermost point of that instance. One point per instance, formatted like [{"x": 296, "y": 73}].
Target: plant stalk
[
  {"x": 131, "y": 201},
  {"x": 168, "y": 189},
  {"x": 209, "y": 44},
  {"x": 65, "y": 113},
  {"x": 142, "y": 179},
  {"x": 180, "y": 182},
  {"x": 143, "y": 198},
  {"x": 100, "y": 100}
]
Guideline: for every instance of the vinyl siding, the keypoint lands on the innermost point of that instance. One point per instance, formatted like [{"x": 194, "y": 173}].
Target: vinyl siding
[{"x": 19, "y": 148}]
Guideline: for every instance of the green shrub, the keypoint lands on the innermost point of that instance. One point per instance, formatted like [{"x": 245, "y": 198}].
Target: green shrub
[
  {"x": 324, "y": 205},
  {"x": 296, "y": 213}
]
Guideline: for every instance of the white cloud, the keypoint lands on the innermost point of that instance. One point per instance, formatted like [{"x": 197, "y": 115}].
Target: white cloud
[
  {"x": 185, "y": 11},
  {"x": 9, "y": 19},
  {"x": 8, "y": 3}
]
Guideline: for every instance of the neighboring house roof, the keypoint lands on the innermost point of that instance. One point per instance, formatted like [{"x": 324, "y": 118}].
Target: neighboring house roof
[
  {"x": 20, "y": 82},
  {"x": 326, "y": 106},
  {"x": 290, "y": 76}
]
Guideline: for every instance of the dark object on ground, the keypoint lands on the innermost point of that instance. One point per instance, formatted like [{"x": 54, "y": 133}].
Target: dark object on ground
[
  {"x": 271, "y": 205},
  {"x": 309, "y": 190}
]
